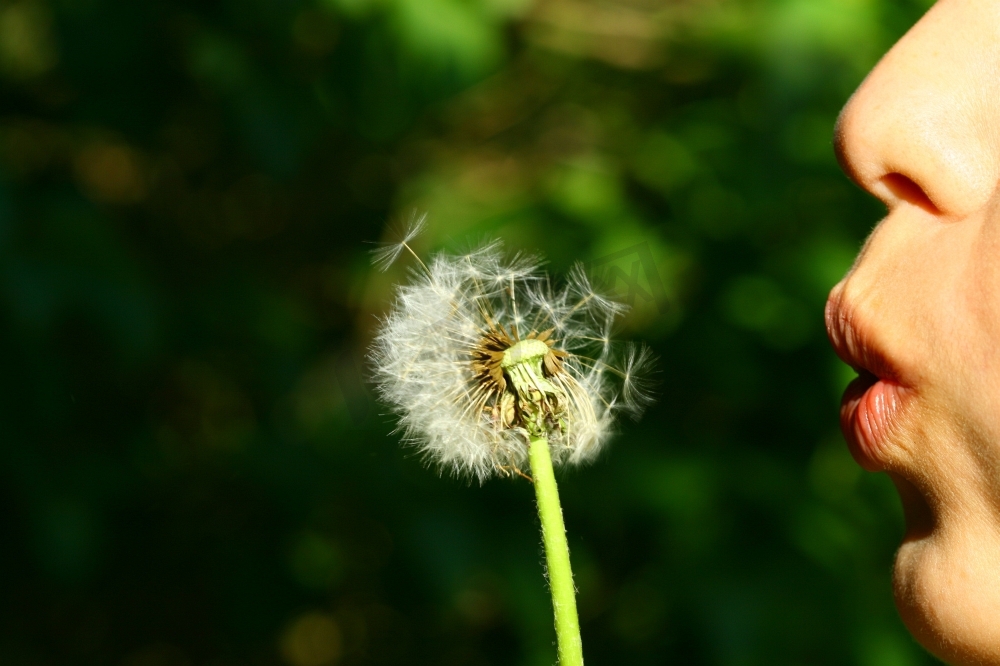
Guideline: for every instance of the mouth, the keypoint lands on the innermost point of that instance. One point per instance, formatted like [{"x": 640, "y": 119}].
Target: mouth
[{"x": 872, "y": 403}]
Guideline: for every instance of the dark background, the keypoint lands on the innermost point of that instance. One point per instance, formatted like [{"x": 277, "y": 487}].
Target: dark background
[{"x": 194, "y": 470}]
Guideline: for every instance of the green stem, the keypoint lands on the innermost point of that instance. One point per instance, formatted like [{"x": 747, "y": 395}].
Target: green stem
[{"x": 556, "y": 555}]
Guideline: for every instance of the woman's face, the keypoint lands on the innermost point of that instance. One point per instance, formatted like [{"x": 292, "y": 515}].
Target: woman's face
[{"x": 919, "y": 317}]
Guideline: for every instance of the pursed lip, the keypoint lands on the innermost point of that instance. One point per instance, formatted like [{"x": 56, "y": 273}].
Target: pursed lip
[{"x": 872, "y": 403}]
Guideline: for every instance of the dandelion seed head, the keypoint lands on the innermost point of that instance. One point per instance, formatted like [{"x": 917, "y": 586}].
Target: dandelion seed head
[{"x": 480, "y": 353}]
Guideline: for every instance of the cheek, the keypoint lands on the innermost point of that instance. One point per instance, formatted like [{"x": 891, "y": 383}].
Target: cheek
[
  {"x": 947, "y": 587},
  {"x": 938, "y": 286},
  {"x": 970, "y": 329}
]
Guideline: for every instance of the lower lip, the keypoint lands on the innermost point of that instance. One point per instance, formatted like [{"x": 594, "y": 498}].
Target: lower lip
[{"x": 869, "y": 408}]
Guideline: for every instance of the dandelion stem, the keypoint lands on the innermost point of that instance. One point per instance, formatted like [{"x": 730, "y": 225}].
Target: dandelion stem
[{"x": 556, "y": 555}]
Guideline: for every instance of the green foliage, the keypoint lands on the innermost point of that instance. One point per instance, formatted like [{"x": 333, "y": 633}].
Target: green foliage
[{"x": 194, "y": 468}]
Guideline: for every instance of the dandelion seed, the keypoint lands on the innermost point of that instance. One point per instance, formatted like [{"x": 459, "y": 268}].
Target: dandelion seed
[{"x": 387, "y": 255}]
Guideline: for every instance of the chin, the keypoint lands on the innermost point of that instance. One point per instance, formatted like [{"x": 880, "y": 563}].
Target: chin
[{"x": 947, "y": 589}]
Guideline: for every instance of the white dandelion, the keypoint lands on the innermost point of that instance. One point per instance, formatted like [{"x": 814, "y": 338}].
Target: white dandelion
[
  {"x": 491, "y": 368},
  {"x": 481, "y": 353}
]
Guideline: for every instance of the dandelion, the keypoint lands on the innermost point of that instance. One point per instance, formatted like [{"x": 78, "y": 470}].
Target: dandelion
[
  {"x": 492, "y": 369},
  {"x": 480, "y": 354}
]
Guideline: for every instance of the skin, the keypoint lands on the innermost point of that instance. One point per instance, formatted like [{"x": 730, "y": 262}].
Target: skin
[{"x": 921, "y": 308}]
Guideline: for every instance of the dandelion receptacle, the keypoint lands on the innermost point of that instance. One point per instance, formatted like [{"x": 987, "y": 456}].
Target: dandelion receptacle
[{"x": 494, "y": 370}]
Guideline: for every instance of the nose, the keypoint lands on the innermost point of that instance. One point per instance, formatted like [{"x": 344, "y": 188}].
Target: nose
[{"x": 924, "y": 127}]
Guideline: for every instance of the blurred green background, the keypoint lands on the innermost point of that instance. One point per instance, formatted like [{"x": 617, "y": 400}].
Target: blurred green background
[{"x": 194, "y": 470}]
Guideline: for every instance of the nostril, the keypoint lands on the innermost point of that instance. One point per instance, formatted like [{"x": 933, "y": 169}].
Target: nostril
[{"x": 903, "y": 189}]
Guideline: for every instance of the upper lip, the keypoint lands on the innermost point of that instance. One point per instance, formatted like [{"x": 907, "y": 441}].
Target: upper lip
[{"x": 853, "y": 340}]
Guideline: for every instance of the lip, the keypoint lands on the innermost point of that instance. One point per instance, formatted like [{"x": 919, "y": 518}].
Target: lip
[
  {"x": 873, "y": 402},
  {"x": 868, "y": 410}
]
